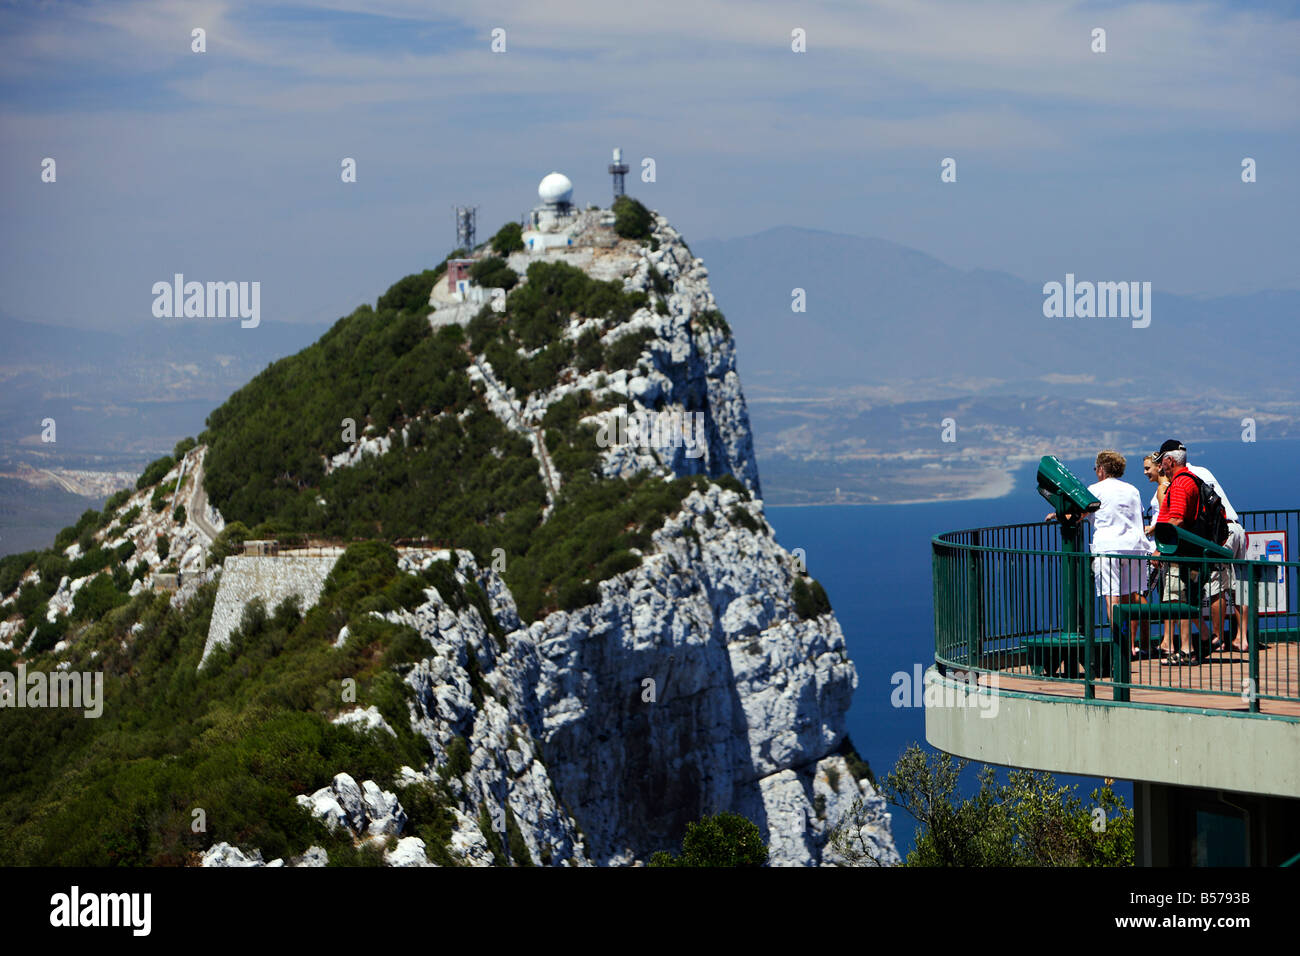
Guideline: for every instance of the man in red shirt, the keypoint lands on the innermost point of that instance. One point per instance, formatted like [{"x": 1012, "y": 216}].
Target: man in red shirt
[{"x": 1181, "y": 503}]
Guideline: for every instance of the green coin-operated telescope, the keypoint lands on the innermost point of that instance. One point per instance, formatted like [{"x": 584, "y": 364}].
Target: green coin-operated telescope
[
  {"x": 1071, "y": 500},
  {"x": 1068, "y": 496},
  {"x": 1174, "y": 541}
]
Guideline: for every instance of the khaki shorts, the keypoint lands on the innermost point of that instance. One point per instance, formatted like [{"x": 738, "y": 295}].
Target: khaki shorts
[
  {"x": 1174, "y": 581},
  {"x": 1220, "y": 582}
]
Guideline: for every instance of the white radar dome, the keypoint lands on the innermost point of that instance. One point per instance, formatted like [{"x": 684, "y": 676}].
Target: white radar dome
[{"x": 555, "y": 188}]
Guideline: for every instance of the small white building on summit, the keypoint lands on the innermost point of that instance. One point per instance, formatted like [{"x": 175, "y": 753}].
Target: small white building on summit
[{"x": 552, "y": 219}]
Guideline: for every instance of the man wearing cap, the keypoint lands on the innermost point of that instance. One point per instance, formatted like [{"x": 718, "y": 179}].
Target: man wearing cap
[
  {"x": 1181, "y": 501},
  {"x": 1223, "y": 577}
]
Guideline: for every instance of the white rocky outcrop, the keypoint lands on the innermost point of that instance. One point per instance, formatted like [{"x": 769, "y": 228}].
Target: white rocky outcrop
[
  {"x": 365, "y": 719},
  {"x": 226, "y": 855},
  {"x": 408, "y": 852},
  {"x": 366, "y": 810}
]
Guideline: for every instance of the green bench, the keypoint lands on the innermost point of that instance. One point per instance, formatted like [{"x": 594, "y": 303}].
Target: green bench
[
  {"x": 1048, "y": 653},
  {"x": 1141, "y": 614}
]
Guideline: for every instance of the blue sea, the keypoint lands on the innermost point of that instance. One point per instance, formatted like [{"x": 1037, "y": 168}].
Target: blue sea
[{"x": 874, "y": 562}]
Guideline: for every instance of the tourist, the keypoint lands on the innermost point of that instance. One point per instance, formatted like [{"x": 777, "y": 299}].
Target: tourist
[
  {"x": 1224, "y": 581},
  {"x": 1117, "y": 529},
  {"x": 1181, "y": 503},
  {"x": 1156, "y": 477}
]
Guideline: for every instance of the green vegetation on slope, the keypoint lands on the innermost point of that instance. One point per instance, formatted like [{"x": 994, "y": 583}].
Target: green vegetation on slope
[
  {"x": 509, "y": 238},
  {"x": 1029, "y": 821},
  {"x": 462, "y": 478},
  {"x": 727, "y": 839},
  {"x": 239, "y": 740},
  {"x": 631, "y": 219}
]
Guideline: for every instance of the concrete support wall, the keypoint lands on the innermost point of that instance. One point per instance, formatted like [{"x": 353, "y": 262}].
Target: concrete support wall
[
  {"x": 272, "y": 579},
  {"x": 1212, "y": 749}
]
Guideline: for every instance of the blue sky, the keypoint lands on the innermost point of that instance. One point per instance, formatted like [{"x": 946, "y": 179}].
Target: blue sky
[{"x": 225, "y": 165}]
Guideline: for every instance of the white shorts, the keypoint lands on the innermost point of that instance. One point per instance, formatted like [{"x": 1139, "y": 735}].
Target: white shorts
[{"x": 1120, "y": 576}]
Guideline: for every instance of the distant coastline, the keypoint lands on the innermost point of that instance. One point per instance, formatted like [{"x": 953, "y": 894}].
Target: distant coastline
[{"x": 1232, "y": 462}]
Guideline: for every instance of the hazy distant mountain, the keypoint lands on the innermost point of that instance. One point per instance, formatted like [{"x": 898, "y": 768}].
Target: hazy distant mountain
[{"x": 881, "y": 312}]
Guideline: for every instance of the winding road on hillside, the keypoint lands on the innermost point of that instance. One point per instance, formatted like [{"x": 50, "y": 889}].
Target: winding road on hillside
[{"x": 199, "y": 503}]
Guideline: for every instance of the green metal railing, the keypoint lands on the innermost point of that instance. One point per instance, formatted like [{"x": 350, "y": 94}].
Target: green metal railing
[{"x": 999, "y": 607}]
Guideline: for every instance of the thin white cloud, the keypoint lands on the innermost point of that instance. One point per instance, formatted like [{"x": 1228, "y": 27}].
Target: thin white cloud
[{"x": 1203, "y": 62}]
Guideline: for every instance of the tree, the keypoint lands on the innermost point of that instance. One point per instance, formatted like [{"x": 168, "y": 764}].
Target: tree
[
  {"x": 727, "y": 839},
  {"x": 1029, "y": 821}
]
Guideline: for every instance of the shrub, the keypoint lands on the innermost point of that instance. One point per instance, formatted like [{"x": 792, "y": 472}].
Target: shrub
[
  {"x": 810, "y": 599},
  {"x": 631, "y": 219},
  {"x": 409, "y": 294},
  {"x": 96, "y": 598},
  {"x": 727, "y": 839},
  {"x": 1028, "y": 821},
  {"x": 623, "y": 352},
  {"x": 164, "y": 546},
  {"x": 47, "y": 634},
  {"x": 579, "y": 594},
  {"x": 659, "y": 282},
  {"x": 491, "y": 835},
  {"x": 179, "y": 514},
  {"x": 712, "y": 319},
  {"x": 458, "y": 762},
  {"x": 493, "y": 273},
  {"x": 155, "y": 472},
  {"x": 590, "y": 352},
  {"x": 860, "y": 768},
  {"x": 741, "y": 516},
  {"x": 429, "y": 816},
  {"x": 93, "y": 560},
  {"x": 509, "y": 238},
  {"x": 182, "y": 446},
  {"x": 52, "y": 566},
  {"x": 229, "y": 541},
  {"x": 731, "y": 483},
  {"x": 519, "y": 854},
  {"x": 12, "y": 568}
]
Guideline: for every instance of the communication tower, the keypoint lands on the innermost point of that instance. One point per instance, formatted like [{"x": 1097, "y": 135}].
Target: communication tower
[
  {"x": 466, "y": 225},
  {"x": 618, "y": 169}
]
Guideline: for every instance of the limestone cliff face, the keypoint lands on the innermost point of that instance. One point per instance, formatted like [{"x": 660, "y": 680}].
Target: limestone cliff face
[
  {"x": 693, "y": 686},
  {"x": 690, "y": 688}
]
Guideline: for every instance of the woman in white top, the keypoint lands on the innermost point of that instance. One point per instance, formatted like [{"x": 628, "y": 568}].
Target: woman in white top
[{"x": 1117, "y": 529}]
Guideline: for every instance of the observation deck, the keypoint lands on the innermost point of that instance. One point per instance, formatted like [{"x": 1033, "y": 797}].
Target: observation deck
[{"x": 1030, "y": 672}]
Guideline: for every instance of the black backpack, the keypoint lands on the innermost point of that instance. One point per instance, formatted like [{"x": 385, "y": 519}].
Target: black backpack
[{"x": 1211, "y": 521}]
